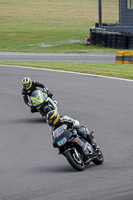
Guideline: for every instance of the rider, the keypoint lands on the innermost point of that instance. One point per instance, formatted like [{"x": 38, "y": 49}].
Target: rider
[
  {"x": 55, "y": 120},
  {"x": 28, "y": 87}
]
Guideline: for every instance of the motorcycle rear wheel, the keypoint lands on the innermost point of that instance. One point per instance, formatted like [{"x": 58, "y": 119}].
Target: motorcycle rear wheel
[{"x": 76, "y": 163}]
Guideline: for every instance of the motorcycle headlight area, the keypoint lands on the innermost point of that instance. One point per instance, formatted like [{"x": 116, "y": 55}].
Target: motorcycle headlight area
[{"x": 62, "y": 142}]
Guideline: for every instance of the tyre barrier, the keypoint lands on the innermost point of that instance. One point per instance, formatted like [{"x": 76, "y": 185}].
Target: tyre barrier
[
  {"x": 111, "y": 39},
  {"x": 98, "y": 37},
  {"x": 93, "y": 37},
  {"x": 130, "y": 41},
  {"x": 128, "y": 57},
  {"x": 119, "y": 59},
  {"x": 124, "y": 57},
  {"x": 104, "y": 38}
]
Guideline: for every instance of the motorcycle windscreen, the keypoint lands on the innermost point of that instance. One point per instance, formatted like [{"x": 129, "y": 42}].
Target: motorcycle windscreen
[
  {"x": 59, "y": 131},
  {"x": 38, "y": 97}
]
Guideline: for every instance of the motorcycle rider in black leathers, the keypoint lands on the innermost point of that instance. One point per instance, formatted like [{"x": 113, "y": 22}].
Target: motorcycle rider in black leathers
[
  {"x": 55, "y": 120},
  {"x": 28, "y": 87}
]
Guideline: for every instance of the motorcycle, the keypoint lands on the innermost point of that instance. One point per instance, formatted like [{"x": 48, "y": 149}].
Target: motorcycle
[
  {"x": 42, "y": 102},
  {"x": 77, "y": 151}
]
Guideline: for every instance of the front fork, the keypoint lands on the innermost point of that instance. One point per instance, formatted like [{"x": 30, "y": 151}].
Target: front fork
[
  {"x": 85, "y": 147},
  {"x": 75, "y": 151}
]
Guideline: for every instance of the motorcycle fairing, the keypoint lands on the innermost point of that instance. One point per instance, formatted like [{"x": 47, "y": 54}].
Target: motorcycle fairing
[
  {"x": 38, "y": 98},
  {"x": 60, "y": 133},
  {"x": 86, "y": 147}
]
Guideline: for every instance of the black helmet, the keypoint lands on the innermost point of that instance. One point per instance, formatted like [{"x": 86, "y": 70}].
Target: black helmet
[{"x": 52, "y": 117}]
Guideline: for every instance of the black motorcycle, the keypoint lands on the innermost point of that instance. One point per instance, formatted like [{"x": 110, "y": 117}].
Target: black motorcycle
[{"x": 77, "y": 150}]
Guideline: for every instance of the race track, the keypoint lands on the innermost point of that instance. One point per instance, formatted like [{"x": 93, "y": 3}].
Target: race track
[{"x": 31, "y": 169}]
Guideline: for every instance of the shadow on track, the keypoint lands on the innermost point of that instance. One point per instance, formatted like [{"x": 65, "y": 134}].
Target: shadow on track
[
  {"x": 58, "y": 169},
  {"x": 28, "y": 120}
]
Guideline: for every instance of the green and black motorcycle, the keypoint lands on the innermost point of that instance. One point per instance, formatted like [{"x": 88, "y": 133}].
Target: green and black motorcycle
[{"x": 42, "y": 102}]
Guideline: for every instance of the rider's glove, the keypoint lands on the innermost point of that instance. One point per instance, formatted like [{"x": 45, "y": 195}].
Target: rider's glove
[
  {"x": 45, "y": 90},
  {"x": 75, "y": 124},
  {"x": 49, "y": 94}
]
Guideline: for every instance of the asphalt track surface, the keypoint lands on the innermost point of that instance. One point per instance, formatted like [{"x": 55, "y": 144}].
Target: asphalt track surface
[
  {"x": 31, "y": 169},
  {"x": 59, "y": 57}
]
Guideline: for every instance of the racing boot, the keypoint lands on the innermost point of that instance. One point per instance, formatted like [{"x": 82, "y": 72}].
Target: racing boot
[
  {"x": 87, "y": 135},
  {"x": 94, "y": 145},
  {"x": 55, "y": 103},
  {"x": 92, "y": 141},
  {"x": 41, "y": 113}
]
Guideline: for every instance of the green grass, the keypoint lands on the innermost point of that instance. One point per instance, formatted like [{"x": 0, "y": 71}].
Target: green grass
[
  {"x": 112, "y": 70},
  {"x": 27, "y": 23}
]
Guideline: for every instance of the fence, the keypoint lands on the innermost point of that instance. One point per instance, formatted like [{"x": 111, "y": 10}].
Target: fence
[
  {"x": 110, "y": 11},
  {"x": 117, "y": 31},
  {"x": 118, "y": 12}
]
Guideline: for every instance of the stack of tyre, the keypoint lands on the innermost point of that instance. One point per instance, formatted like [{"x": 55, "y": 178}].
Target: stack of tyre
[
  {"x": 93, "y": 35},
  {"x": 130, "y": 41},
  {"x": 99, "y": 37},
  {"x": 122, "y": 42},
  {"x": 104, "y": 38},
  {"x": 115, "y": 39},
  {"x": 111, "y": 39}
]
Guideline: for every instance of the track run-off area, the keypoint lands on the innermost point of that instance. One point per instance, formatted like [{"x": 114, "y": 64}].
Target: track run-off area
[
  {"x": 59, "y": 57},
  {"x": 31, "y": 169}
]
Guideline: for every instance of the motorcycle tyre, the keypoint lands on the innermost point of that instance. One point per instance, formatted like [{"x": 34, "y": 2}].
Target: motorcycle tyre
[
  {"x": 99, "y": 159},
  {"x": 73, "y": 163}
]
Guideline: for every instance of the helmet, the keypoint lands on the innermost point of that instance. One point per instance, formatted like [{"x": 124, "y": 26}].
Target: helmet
[
  {"x": 27, "y": 83},
  {"x": 52, "y": 117}
]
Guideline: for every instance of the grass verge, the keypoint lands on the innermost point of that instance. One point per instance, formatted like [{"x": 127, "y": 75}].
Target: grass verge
[
  {"x": 112, "y": 70},
  {"x": 31, "y": 26}
]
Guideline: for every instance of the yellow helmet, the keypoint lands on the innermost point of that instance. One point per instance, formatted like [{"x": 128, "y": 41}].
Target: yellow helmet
[
  {"x": 27, "y": 83},
  {"x": 52, "y": 117}
]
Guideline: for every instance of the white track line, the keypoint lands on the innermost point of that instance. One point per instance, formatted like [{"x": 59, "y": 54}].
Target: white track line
[{"x": 69, "y": 72}]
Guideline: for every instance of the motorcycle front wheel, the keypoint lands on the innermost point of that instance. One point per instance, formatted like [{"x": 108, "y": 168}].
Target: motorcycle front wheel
[
  {"x": 76, "y": 162},
  {"x": 99, "y": 158}
]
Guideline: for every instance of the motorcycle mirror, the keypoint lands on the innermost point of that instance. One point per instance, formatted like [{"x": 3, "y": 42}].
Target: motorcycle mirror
[{"x": 92, "y": 132}]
